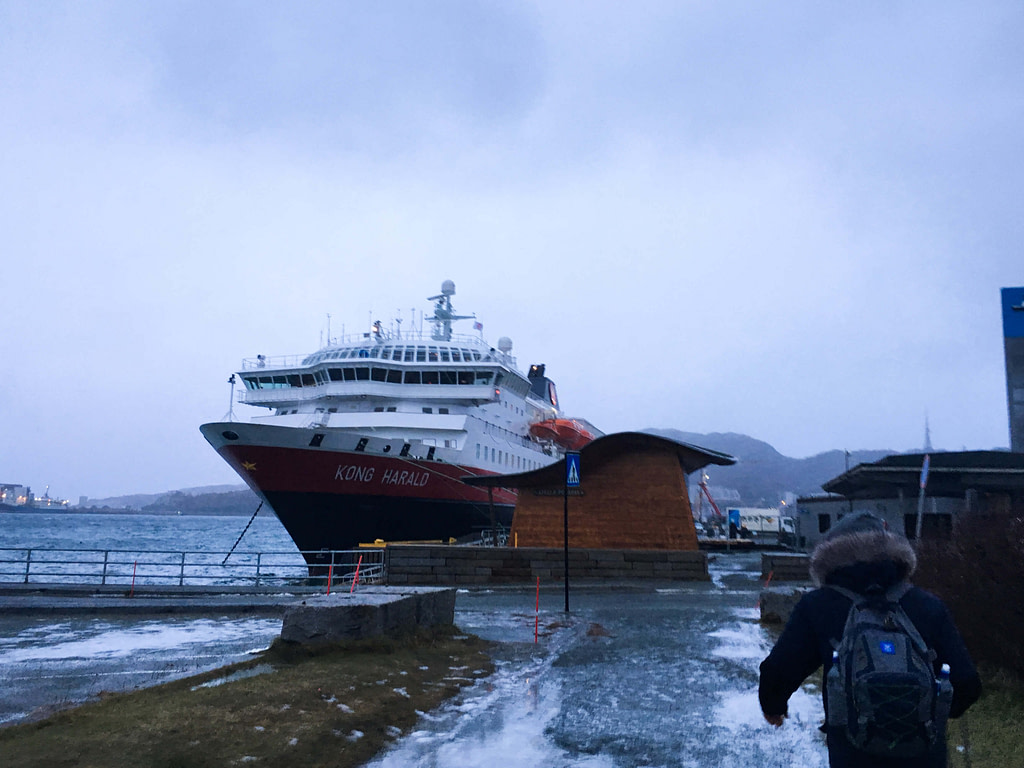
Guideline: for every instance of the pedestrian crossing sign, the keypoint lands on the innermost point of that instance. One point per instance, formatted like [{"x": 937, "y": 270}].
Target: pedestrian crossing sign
[{"x": 572, "y": 470}]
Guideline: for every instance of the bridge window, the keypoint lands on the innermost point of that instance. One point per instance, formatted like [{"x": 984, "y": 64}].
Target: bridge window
[
  {"x": 410, "y": 353},
  {"x": 362, "y": 374},
  {"x": 421, "y": 354},
  {"x": 350, "y": 374},
  {"x": 378, "y": 374},
  {"x": 448, "y": 377},
  {"x": 394, "y": 377},
  {"x": 335, "y": 374},
  {"x": 412, "y": 377},
  {"x": 430, "y": 377},
  {"x": 294, "y": 380},
  {"x": 483, "y": 377},
  {"x": 447, "y": 355}
]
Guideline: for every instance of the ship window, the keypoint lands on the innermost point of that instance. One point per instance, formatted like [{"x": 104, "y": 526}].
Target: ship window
[
  {"x": 478, "y": 450},
  {"x": 362, "y": 374},
  {"x": 483, "y": 377},
  {"x": 294, "y": 380},
  {"x": 476, "y": 355},
  {"x": 448, "y": 377},
  {"x": 410, "y": 353},
  {"x": 412, "y": 377},
  {"x": 428, "y": 410},
  {"x": 405, "y": 449},
  {"x": 499, "y": 457},
  {"x": 394, "y": 377},
  {"x": 308, "y": 380},
  {"x": 350, "y": 374},
  {"x": 378, "y": 374},
  {"x": 361, "y": 445},
  {"x": 430, "y": 377},
  {"x": 465, "y": 377},
  {"x": 392, "y": 409},
  {"x": 332, "y": 410},
  {"x": 432, "y": 355},
  {"x": 385, "y": 354},
  {"x": 446, "y": 356},
  {"x": 387, "y": 448},
  {"x": 442, "y": 410},
  {"x": 421, "y": 354},
  {"x": 250, "y": 383},
  {"x": 430, "y": 453},
  {"x": 280, "y": 382},
  {"x": 316, "y": 440},
  {"x": 379, "y": 409},
  {"x": 335, "y": 374}
]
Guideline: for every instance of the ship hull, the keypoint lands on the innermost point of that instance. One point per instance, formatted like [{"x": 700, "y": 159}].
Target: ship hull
[{"x": 329, "y": 495}]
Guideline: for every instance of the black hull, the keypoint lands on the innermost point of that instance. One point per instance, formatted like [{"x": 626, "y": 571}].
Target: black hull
[{"x": 319, "y": 521}]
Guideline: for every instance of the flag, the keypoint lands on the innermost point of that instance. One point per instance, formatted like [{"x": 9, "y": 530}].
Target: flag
[{"x": 478, "y": 326}]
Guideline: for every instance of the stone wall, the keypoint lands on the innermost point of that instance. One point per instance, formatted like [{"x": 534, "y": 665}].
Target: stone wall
[
  {"x": 448, "y": 565},
  {"x": 784, "y": 567}
]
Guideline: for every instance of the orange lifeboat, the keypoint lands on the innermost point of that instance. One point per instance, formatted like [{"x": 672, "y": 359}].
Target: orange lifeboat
[
  {"x": 572, "y": 434},
  {"x": 544, "y": 430}
]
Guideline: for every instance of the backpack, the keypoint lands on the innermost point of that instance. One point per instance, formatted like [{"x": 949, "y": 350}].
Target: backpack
[{"x": 881, "y": 690}]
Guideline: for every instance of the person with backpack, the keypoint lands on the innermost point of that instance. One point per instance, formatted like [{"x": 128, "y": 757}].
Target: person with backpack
[{"x": 894, "y": 665}]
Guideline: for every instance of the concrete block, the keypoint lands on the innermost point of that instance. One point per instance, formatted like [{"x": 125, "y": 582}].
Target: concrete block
[
  {"x": 370, "y": 612},
  {"x": 777, "y": 603}
]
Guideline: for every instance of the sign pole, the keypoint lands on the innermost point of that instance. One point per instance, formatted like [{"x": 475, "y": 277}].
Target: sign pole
[
  {"x": 920, "y": 496},
  {"x": 572, "y": 478}
]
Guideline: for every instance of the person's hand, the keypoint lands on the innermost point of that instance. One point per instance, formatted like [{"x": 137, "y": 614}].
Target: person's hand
[{"x": 775, "y": 720}]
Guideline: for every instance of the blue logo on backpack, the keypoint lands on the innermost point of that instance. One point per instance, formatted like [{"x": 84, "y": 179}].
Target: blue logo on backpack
[{"x": 887, "y": 648}]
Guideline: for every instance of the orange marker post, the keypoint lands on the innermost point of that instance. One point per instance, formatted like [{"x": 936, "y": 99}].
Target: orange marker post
[
  {"x": 536, "y": 620},
  {"x": 356, "y": 579},
  {"x": 330, "y": 577}
]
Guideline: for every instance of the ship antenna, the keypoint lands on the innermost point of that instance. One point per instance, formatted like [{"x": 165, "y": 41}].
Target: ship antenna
[{"x": 231, "y": 401}]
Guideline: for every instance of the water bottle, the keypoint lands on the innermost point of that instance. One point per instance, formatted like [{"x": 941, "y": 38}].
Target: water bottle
[
  {"x": 943, "y": 698},
  {"x": 835, "y": 694}
]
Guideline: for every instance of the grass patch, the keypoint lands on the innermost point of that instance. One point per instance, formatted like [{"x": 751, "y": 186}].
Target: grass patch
[
  {"x": 336, "y": 706},
  {"x": 994, "y": 726}
]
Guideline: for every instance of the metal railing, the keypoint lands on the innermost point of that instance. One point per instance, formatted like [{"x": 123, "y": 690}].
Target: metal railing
[{"x": 122, "y": 567}]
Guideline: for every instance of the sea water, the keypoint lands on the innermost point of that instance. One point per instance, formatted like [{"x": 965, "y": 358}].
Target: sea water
[{"x": 177, "y": 533}]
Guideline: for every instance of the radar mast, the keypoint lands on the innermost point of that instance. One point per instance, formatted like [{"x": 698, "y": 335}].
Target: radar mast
[{"x": 444, "y": 315}]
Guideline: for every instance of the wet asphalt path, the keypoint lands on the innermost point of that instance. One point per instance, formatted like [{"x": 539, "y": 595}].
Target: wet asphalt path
[{"x": 649, "y": 676}]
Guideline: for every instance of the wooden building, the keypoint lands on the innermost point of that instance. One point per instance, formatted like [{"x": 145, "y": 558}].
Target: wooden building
[{"x": 632, "y": 495}]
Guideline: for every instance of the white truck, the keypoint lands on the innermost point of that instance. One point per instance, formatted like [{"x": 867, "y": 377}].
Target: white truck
[{"x": 762, "y": 523}]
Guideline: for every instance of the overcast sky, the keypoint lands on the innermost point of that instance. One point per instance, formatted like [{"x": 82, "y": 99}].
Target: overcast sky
[{"x": 790, "y": 220}]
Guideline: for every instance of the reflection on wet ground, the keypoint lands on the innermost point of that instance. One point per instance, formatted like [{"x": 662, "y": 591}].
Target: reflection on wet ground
[{"x": 660, "y": 675}]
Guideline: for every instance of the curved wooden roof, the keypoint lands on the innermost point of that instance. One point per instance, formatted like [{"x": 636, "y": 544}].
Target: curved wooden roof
[{"x": 597, "y": 453}]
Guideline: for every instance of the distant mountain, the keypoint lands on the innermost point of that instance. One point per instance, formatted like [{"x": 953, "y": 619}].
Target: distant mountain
[
  {"x": 762, "y": 475},
  {"x": 236, "y": 499}
]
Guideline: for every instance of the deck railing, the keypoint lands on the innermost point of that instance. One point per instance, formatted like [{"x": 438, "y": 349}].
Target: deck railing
[{"x": 122, "y": 567}]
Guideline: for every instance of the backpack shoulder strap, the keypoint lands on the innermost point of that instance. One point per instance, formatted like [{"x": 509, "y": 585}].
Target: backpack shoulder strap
[{"x": 849, "y": 593}]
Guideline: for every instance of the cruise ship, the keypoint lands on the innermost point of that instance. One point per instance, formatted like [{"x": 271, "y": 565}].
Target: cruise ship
[{"x": 371, "y": 436}]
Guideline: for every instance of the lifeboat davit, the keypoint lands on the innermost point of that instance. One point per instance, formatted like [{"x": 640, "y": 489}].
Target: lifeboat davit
[{"x": 568, "y": 433}]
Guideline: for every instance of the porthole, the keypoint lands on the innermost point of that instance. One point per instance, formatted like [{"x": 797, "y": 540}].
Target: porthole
[{"x": 229, "y": 435}]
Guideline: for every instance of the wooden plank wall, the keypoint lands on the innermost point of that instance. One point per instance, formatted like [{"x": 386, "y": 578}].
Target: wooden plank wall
[{"x": 635, "y": 500}]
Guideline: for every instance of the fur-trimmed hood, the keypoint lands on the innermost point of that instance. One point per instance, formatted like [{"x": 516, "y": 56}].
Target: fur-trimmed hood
[{"x": 838, "y": 552}]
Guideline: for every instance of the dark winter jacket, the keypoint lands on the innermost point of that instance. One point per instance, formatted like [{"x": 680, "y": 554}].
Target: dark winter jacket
[{"x": 866, "y": 562}]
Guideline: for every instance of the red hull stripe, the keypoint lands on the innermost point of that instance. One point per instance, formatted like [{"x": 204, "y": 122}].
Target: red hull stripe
[{"x": 289, "y": 470}]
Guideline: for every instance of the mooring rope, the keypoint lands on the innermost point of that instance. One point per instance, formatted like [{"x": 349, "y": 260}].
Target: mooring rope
[{"x": 242, "y": 533}]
